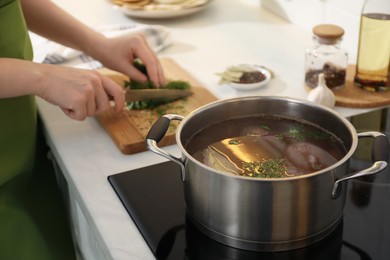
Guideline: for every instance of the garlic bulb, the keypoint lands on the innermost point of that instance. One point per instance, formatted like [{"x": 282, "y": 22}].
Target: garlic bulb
[{"x": 322, "y": 94}]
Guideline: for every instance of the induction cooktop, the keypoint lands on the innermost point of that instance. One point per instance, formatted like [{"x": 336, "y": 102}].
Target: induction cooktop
[{"x": 153, "y": 197}]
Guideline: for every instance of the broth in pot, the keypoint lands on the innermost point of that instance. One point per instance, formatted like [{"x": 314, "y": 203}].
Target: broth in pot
[{"x": 266, "y": 147}]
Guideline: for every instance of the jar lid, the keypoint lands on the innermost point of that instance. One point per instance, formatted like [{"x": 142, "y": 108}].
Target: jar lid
[{"x": 328, "y": 31}]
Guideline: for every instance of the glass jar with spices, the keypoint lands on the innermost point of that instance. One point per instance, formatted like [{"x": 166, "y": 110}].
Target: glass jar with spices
[{"x": 327, "y": 57}]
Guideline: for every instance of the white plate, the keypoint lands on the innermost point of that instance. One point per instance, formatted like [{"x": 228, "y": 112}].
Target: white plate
[
  {"x": 250, "y": 86},
  {"x": 161, "y": 14}
]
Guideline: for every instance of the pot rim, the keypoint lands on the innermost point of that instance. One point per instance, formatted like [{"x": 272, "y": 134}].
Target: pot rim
[{"x": 343, "y": 160}]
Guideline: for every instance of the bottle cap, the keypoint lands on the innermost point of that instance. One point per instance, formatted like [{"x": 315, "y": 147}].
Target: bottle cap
[{"x": 328, "y": 31}]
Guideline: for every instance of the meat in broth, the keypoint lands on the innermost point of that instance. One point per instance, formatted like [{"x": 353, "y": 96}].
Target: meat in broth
[{"x": 266, "y": 147}]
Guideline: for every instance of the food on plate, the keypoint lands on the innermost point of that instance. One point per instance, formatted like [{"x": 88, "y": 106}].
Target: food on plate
[
  {"x": 159, "y": 4},
  {"x": 132, "y": 4},
  {"x": 266, "y": 147},
  {"x": 244, "y": 74},
  {"x": 170, "y": 1},
  {"x": 171, "y": 84}
]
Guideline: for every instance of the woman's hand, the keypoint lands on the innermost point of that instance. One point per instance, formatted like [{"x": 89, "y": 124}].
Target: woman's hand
[
  {"x": 48, "y": 20},
  {"x": 120, "y": 52},
  {"x": 79, "y": 93}
]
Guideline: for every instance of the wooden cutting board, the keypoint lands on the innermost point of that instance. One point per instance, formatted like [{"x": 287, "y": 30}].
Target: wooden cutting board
[
  {"x": 355, "y": 97},
  {"x": 129, "y": 128}
]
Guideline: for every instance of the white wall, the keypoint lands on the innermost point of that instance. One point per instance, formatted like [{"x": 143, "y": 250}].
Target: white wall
[{"x": 308, "y": 13}]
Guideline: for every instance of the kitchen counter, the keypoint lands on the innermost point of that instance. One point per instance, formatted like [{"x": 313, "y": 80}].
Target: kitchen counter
[{"x": 226, "y": 33}]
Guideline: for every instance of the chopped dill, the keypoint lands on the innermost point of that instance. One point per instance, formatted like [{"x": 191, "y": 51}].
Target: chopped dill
[
  {"x": 265, "y": 127},
  {"x": 297, "y": 133},
  {"x": 234, "y": 142},
  {"x": 279, "y": 136},
  {"x": 172, "y": 84},
  {"x": 316, "y": 166},
  {"x": 267, "y": 168}
]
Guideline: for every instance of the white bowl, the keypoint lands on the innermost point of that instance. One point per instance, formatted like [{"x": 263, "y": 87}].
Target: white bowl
[{"x": 250, "y": 86}]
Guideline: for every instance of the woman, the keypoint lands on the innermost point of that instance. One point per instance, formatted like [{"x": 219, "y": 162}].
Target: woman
[{"x": 28, "y": 196}]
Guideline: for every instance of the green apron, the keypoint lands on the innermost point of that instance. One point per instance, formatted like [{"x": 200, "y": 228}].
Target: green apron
[{"x": 32, "y": 218}]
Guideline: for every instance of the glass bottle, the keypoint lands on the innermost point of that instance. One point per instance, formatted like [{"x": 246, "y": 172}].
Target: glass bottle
[
  {"x": 327, "y": 57},
  {"x": 373, "y": 62}
]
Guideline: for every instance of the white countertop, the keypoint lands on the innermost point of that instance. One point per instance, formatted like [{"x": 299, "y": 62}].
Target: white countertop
[{"x": 226, "y": 33}]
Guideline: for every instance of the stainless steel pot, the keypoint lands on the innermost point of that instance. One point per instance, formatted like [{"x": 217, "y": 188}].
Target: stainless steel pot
[{"x": 265, "y": 214}]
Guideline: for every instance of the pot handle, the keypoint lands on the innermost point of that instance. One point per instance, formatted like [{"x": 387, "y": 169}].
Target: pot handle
[
  {"x": 380, "y": 157},
  {"x": 157, "y": 132}
]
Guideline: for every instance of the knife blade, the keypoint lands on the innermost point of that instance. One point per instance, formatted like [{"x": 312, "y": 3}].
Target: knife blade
[{"x": 152, "y": 94}]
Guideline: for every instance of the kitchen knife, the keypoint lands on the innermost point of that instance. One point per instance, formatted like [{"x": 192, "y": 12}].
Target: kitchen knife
[{"x": 150, "y": 94}]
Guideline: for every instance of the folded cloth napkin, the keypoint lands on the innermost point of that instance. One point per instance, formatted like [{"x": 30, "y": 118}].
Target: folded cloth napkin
[{"x": 157, "y": 36}]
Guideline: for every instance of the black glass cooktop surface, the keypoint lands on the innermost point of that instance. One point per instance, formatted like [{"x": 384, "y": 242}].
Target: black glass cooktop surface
[{"x": 153, "y": 197}]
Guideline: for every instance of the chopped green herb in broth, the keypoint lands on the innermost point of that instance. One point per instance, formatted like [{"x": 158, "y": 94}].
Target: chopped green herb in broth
[
  {"x": 267, "y": 168},
  {"x": 267, "y": 147},
  {"x": 265, "y": 127},
  {"x": 234, "y": 142}
]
